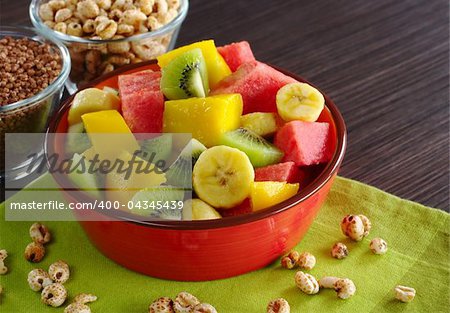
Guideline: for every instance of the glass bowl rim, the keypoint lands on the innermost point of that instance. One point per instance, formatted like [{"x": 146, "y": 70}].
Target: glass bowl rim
[
  {"x": 171, "y": 26},
  {"x": 311, "y": 189},
  {"x": 22, "y": 31}
]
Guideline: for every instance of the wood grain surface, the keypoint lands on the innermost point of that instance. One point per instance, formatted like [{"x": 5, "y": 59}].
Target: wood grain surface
[{"x": 385, "y": 63}]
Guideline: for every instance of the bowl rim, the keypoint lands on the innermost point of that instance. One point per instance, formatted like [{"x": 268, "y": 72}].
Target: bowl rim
[
  {"x": 22, "y": 31},
  {"x": 171, "y": 26},
  {"x": 311, "y": 189}
]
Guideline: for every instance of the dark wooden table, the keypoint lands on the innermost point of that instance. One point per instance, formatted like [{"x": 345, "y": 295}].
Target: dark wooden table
[{"x": 384, "y": 62}]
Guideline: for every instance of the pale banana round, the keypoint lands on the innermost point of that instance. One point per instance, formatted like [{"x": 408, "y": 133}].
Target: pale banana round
[
  {"x": 222, "y": 176},
  {"x": 299, "y": 101}
]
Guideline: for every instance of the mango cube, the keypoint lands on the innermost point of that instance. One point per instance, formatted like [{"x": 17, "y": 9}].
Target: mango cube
[
  {"x": 205, "y": 118},
  {"x": 99, "y": 124},
  {"x": 268, "y": 193},
  {"x": 215, "y": 64}
]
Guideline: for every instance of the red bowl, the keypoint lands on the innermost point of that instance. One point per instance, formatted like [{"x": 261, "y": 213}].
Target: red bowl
[{"x": 213, "y": 249}]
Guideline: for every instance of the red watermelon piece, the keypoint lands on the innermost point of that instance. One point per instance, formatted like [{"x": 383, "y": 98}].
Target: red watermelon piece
[
  {"x": 236, "y": 54},
  {"x": 283, "y": 172},
  {"x": 138, "y": 81},
  {"x": 258, "y": 84},
  {"x": 142, "y": 101},
  {"x": 243, "y": 208},
  {"x": 305, "y": 143}
]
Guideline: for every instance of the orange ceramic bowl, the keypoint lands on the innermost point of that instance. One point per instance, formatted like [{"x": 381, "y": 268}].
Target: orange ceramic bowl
[{"x": 213, "y": 249}]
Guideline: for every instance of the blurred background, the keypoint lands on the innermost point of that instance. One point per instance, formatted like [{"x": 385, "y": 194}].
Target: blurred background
[{"x": 385, "y": 63}]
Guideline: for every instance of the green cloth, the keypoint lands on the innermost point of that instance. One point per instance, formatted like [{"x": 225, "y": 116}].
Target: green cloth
[{"x": 418, "y": 256}]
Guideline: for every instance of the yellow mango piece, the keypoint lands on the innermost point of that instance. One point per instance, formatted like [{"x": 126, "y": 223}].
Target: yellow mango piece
[
  {"x": 91, "y": 100},
  {"x": 205, "y": 118},
  {"x": 99, "y": 124},
  {"x": 122, "y": 186},
  {"x": 215, "y": 64},
  {"x": 268, "y": 193}
]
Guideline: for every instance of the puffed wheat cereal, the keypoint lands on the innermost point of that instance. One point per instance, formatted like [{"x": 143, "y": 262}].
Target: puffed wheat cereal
[
  {"x": 279, "y": 305},
  {"x": 345, "y": 288},
  {"x": 38, "y": 279},
  {"x": 339, "y": 251},
  {"x": 106, "y": 30},
  {"x": 204, "y": 308},
  {"x": 34, "y": 252},
  {"x": 57, "y": 4},
  {"x": 306, "y": 261},
  {"x": 366, "y": 223},
  {"x": 161, "y": 305},
  {"x": 404, "y": 293},
  {"x": 290, "y": 261},
  {"x": 307, "y": 283},
  {"x": 77, "y": 307},
  {"x": 46, "y": 12},
  {"x": 63, "y": 15},
  {"x": 54, "y": 295},
  {"x": 185, "y": 302},
  {"x": 328, "y": 282},
  {"x": 88, "y": 8},
  {"x": 3, "y": 256},
  {"x": 109, "y": 20},
  {"x": 39, "y": 233},
  {"x": 353, "y": 227},
  {"x": 378, "y": 246},
  {"x": 85, "y": 298},
  {"x": 59, "y": 271}
]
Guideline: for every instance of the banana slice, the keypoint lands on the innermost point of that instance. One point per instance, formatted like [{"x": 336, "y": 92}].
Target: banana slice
[
  {"x": 196, "y": 209},
  {"x": 222, "y": 176},
  {"x": 299, "y": 101}
]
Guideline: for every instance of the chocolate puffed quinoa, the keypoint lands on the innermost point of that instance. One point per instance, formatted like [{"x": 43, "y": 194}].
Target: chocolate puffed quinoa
[{"x": 26, "y": 68}]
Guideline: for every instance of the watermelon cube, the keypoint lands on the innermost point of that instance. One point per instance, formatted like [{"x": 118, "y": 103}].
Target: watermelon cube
[
  {"x": 236, "y": 54},
  {"x": 305, "y": 143},
  {"x": 242, "y": 208},
  {"x": 142, "y": 101},
  {"x": 258, "y": 84},
  {"x": 282, "y": 172},
  {"x": 139, "y": 80}
]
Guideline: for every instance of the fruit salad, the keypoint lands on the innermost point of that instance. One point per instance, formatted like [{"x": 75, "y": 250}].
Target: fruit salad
[{"x": 257, "y": 135}]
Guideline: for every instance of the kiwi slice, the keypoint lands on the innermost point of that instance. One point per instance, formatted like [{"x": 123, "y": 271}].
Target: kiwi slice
[
  {"x": 85, "y": 181},
  {"x": 155, "y": 149},
  {"x": 259, "y": 151},
  {"x": 77, "y": 140},
  {"x": 165, "y": 202},
  {"x": 180, "y": 172},
  {"x": 185, "y": 76}
]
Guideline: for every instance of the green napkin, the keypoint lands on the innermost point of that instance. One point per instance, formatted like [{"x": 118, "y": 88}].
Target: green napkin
[{"x": 417, "y": 236}]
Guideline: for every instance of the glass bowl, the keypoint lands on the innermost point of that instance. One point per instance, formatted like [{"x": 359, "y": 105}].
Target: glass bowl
[
  {"x": 92, "y": 58},
  {"x": 32, "y": 114}
]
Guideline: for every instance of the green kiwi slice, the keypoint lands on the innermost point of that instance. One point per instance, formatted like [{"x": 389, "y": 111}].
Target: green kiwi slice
[
  {"x": 85, "y": 181},
  {"x": 156, "y": 149},
  {"x": 185, "y": 76},
  {"x": 77, "y": 140},
  {"x": 259, "y": 151},
  {"x": 165, "y": 202},
  {"x": 180, "y": 172}
]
